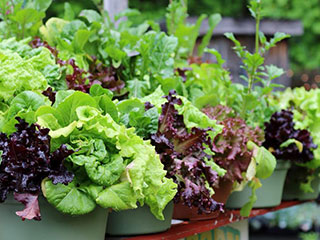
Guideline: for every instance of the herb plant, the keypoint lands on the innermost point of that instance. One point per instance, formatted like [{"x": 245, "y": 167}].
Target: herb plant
[{"x": 254, "y": 107}]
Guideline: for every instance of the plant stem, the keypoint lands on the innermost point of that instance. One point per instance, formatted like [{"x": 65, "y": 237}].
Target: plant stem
[
  {"x": 257, "y": 28},
  {"x": 252, "y": 74}
]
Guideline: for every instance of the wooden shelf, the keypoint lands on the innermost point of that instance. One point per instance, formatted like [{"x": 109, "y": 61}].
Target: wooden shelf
[{"x": 189, "y": 228}]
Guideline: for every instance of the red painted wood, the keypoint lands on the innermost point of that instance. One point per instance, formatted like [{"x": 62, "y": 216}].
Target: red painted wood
[{"x": 190, "y": 228}]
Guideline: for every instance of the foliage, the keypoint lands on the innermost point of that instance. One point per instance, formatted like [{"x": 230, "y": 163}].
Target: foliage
[
  {"x": 113, "y": 167},
  {"x": 187, "y": 34},
  {"x": 128, "y": 60},
  {"x": 256, "y": 72},
  {"x": 142, "y": 116},
  {"x": 237, "y": 149},
  {"x": 20, "y": 18},
  {"x": 230, "y": 146},
  {"x": 302, "y": 48},
  {"x": 184, "y": 156},
  {"x": 18, "y": 74},
  {"x": 285, "y": 142},
  {"x": 26, "y": 161},
  {"x": 304, "y": 105}
]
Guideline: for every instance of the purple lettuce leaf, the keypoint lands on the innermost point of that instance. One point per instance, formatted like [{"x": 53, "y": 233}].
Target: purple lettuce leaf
[
  {"x": 279, "y": 129},
  {"x": 230, "y": 145},
  {"x": 183, "y": 154},
  {"x": 31, "y": 210},
  {"x": 82, "y": 80},
  {"x": 26, "y": 160},
  {"x": 50, "y": 94}
]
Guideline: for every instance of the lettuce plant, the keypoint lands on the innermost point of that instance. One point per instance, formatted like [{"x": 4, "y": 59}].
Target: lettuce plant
[
  {"x": 304, "y": 110},
  {"x": 112, "y": 166},
  {"x": 230, "y": 146},
  {"x": 238, "y": 150},
  {"x": 130, "y": 61},
  {"x": 81, "y": 80},
  {"x": 285, "y": 142},
  {"x": 26, "y": 161},
  {"x": 183, "y": 153}
]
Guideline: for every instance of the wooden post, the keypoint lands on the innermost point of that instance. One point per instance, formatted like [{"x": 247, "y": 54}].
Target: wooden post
[{"x": 114, "y": 7}]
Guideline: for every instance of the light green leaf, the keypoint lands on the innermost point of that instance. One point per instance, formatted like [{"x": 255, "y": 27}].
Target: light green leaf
[
  {"x": 264, "y": 159},
  {"x": 68, "y": 199},
  {"x": 90, "y": 15},
  {"x": 292, "y": 141},
  {"x": 118, "y": 197},
  {"x": 246, "y": 209}
]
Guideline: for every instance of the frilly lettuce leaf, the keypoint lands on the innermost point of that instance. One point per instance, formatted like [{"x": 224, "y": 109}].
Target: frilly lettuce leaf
[
  {"x": 306, "y": 115},
  {"x": 134, "y": 114},
  {"x": 23, "y": 105},
  {"x": 18, "y": 75},
  {"x": 109, "y": 155},
  {"x": 21, "y": 47},
  {"x": 192, "y": 116},
  {"x": 40, "y": 58}
]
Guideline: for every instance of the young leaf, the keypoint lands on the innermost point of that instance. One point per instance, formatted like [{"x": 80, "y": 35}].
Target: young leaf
[{"x": 214, "y": 20}]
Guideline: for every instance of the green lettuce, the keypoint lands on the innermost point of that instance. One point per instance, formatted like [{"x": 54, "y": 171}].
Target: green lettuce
[
  {"x": 115, "y": 166},
  {"x": 24, "y": 105},
  {"x": 41, "y": 60},
  {"x": 17, "y": 75},
  {"x": 133, "y": 114}
]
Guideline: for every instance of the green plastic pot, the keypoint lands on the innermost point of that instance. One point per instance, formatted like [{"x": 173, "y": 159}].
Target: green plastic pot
[
  {"x": 53, "y": 226},
  {"x": 138, "y": 221},
  {"x": 269, "y": 195},
  {"x": 292, "y": 190}
]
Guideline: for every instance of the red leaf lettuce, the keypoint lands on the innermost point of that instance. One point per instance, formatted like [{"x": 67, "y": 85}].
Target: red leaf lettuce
[
  {"x": 26, "y": 160},
  {"x": 184, "y": 156}
]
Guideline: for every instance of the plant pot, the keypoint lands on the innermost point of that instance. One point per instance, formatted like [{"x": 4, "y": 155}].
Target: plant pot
[
  {"x": 54, "y": 225},
  {"x": 221, "y": 195},
  {"x": 269, "y": 195},
  {"x": 292, "y": 189},
  {"x": 138, "y": 221}
]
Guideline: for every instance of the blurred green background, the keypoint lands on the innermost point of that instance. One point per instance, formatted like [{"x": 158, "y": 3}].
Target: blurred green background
[{"x": 304, "y": 50}]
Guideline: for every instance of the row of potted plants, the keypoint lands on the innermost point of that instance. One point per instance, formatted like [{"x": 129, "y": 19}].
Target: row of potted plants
[{"x": 125, "y": 121}]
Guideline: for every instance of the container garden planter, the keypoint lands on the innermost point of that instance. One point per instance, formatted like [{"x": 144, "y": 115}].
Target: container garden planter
[
  {"x": 182, "y": 138},
  {"x": 303, "y": 181},
  {"x": 238, "y": 151},
  {"x": 54, "y": 225},
  {"x": 269, "y": 195},
  {"x": 138, "y": 221},
  {"x": 293, "y": 191},
  {"x": 296, "y": 146},
  {"x": 91, "y": 168},
  {"x": 221, "y": 195}
]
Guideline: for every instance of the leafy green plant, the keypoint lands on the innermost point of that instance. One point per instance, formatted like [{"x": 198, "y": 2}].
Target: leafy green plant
[
  {"x": 187, "y": 34},
  {"x": 20, "y": 18},
  {"x": 254, "y": 105},
  {"x": 304, "y": 105}
]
